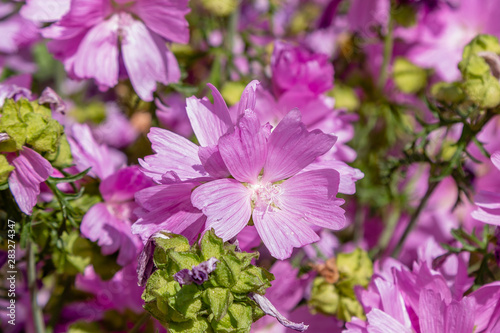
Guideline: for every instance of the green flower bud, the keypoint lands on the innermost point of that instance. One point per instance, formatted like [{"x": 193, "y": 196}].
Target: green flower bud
[
  {"x": 450, "y": 93},
  {"x": 219, "y": 302},
  {"x": 220, "y": 7},
  {"x": 480, "y": 84},
  {"x": 345, "y": 97},
  {"x": 28, "y": 123},
  {"x": 231, "y": 91},
  {"x": 94, "y": 112},
  {"x": 409, "y": 78},
  {"x": 405, "y": 15},
  {"x": 338, "y": 298}
]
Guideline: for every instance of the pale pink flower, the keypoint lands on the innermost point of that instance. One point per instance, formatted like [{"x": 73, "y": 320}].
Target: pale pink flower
[
  {"x": 487, "y": 202},
  {"x": 103, "y": 40}
]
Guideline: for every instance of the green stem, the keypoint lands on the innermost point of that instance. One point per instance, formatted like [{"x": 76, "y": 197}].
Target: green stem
[
  {"x": 414, "y": 218},
  {"x": 142, "y": 319},
  {"x": 392, "y": 221},
  {"x": 35, "y": 308},
  {"x": 388, "y": 47}
]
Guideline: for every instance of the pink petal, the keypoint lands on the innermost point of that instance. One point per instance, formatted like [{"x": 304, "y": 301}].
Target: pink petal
[
  {"x": 226, "y": 203},
  {"x": 487, "y": 216},
  {"x": 487, "y": 200},
  {"x": 144, "y": 57},
  {"x": 212, "y": 161},
  {"x": 292, "y": 147},
  {"x": 169, "y": 208},
  {"x": 392, "y": 301},
  {"x": 244, "y": 150},
  {"x": 31, "y": 169},
  {"x": 487, "y": 302},
  {"x": 45, "y": 10},
  {"x": 281, "y": 232},
  {"x": 311, "y": 197},
  {"x": 165, "y": 17},
  {"x": 460, "y": 316},
  {"x": 173, "y": 153},
  {"x": 122, "y": 185},
  {"x": 248, "y": 98},
  {"x": 86, "y": 152},
  {"x": 97, "y": 54},
  {"x": 209, "y": 122},
  {"x": 495, "y": 158},
  {"x": 431, "y": 312},
  {"x": 381, "y": 322},
  {"x": 348, "y": 174}
]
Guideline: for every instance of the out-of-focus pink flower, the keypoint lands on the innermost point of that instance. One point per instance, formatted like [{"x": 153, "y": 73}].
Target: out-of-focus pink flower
[
  {"x": 102, "y": 39},
  {"x": 31, "y": 169},
  {"x": 283, "y": 202},
  {"x": 86, "y": 152},
  {"x": 108, "y": 223},
  {"x": 295, "y": 67},
  {"x": 488, "y": 203},
  {"x": 403, "y": 300},
  {"x": 45, "y": 10},
  {"x": 365, "y": 14},
  {"x": 172, "y": 114},
  {"x": 440, "y": 36},
  {"x": 116, "y": 130}
]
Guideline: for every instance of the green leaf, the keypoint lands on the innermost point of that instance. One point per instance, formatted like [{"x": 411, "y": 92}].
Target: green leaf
[
  {"x": 68, "y": 179},
  {"x": 211, "y": 245},
  {"x": 253, "y": 279},
  {"x": 5, "y": 169},
  {"x": 218, "y": 300},
  {"x": 237, "y": 320},
  {"x": 187, "y": 301}
]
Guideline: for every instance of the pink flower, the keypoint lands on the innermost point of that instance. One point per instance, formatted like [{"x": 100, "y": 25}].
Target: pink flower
[
  {"x": 400, "y": 300},
  {"x": 283, "y": 202},
  {"x": 45, "y": 10},
  {"x": 108, "y": 223},
  {"x": 102, "y": 160},
  {"x": 440, "y": 36},
  {"x": 488, "y": 203},
  {"x": 295, "y": 67},
  {"x": 31, "y": 169},
  {"x": 102, "y": 39}
]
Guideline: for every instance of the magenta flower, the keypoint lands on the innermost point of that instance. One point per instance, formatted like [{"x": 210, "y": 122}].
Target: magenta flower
[
  {"x": 31, "y": 169},
  {"x": 488, "y": 203},
  {"x": 400, "y": 300},
  {"x": 103, "y": 40},
  {"x": 295, "y": 67},
  {"x": 108, "y": 223},
  {"x": 45, "y": 10},
  {"x": 268, "y": 185}
]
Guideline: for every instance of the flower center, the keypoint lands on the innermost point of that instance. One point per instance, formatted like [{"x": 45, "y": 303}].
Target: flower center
[{"x": 266, "y": 195}]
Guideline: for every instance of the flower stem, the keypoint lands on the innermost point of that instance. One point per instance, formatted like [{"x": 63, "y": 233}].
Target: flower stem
[
  {"x": 35, "y": 308},
  {"x": 414, "y": 218},
  {"x": 388, "y": 47}
]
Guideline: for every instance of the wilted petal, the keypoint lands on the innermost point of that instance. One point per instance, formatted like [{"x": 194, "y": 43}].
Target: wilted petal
[
  {"x": 31, "y": 169},
  {"x": 226, "y": 203},
  {"x": 292, "y": 147},
  {"x": 270, "y": 310},
  {"x": 49, "y": 96}
]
